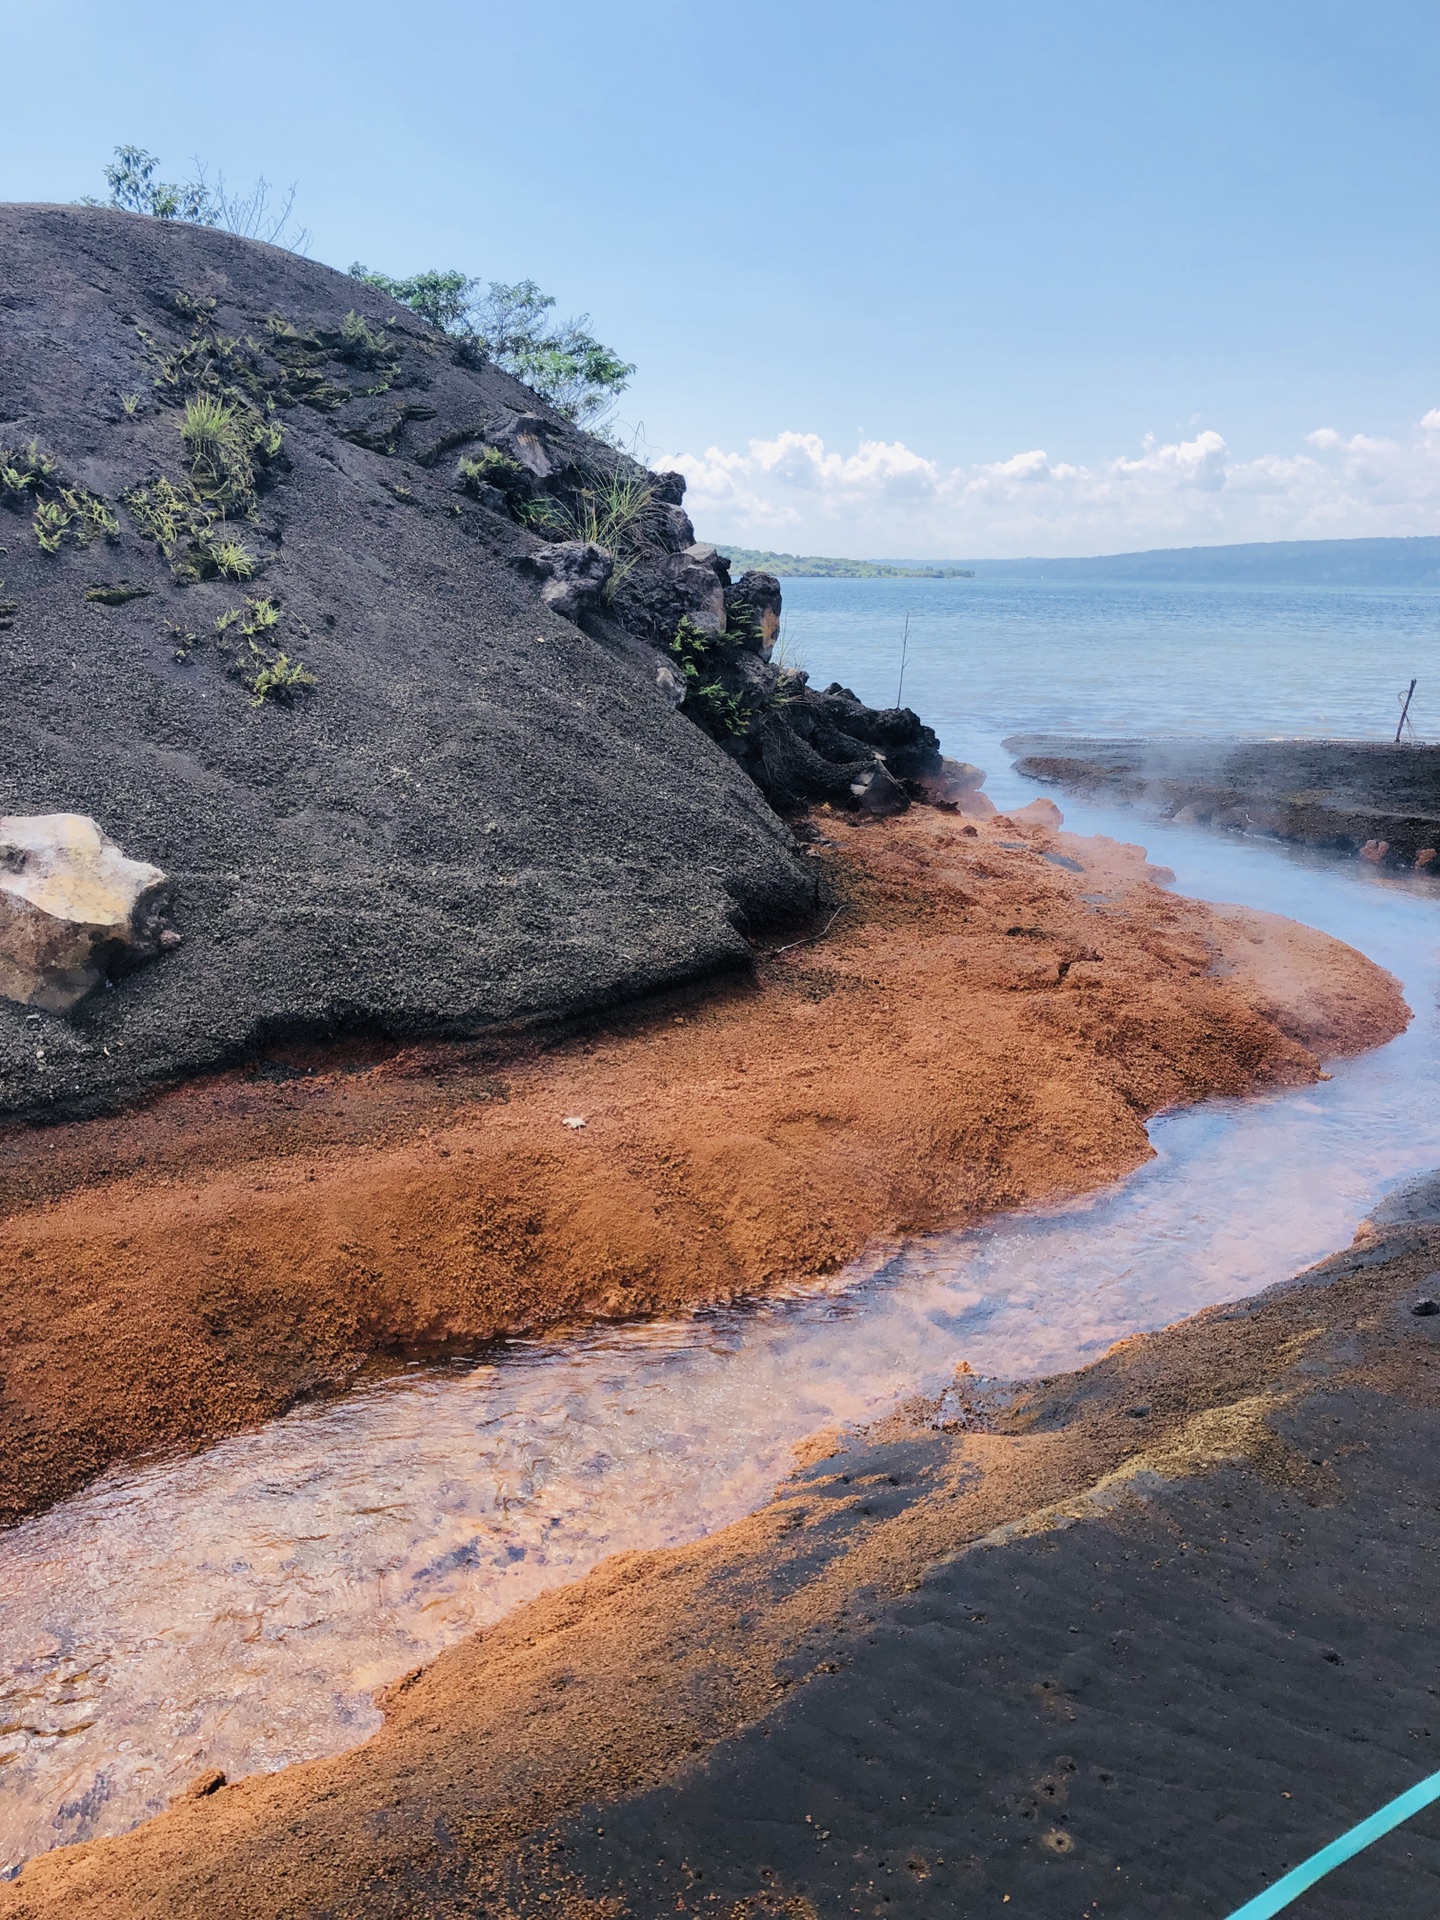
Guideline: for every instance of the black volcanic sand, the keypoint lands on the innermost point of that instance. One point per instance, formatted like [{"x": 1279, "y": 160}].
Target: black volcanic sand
[
  {"x": 480, "y": 813},
  {"x": 1106, "y": 1720},
  {"x": 1153, "y": 1710},
  {"x": 1337, "y": 794}
]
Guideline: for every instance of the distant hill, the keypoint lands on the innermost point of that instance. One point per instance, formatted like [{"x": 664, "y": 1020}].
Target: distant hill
[
  {"x": 817, "y": 567},
  {"x": 1412, "y": 562}
]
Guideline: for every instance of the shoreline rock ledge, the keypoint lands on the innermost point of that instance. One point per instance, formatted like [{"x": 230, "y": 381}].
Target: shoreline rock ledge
[{"x": 73, "y": 909}]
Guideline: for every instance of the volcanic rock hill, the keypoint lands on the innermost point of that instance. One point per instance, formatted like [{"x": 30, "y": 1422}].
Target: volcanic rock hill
[{"x": 429, "y": 704}]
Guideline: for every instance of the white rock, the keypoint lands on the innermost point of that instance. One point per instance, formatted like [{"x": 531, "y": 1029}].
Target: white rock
[{"x": 72, "y": 909}]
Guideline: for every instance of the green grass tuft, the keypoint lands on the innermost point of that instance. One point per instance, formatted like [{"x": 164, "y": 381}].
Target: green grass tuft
[
  {"x": 279, "y": 678},
  {"x": 231, "y": 559},
  {"x": 614, "y": 509},
  {"x": 24, "y": 470},
  {"x": 492, "y": 468}
]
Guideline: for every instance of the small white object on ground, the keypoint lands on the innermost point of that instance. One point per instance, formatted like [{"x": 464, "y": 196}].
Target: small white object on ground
[{"x": 573, "y": 1120}]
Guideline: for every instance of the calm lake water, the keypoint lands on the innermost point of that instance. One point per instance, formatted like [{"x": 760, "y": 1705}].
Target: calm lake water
[
  {"x": 236, "y": 1608},
  {"x": 989, "y": 657}
]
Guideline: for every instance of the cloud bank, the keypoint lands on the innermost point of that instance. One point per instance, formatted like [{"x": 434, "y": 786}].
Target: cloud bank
[{"x": 796, "y": 494}]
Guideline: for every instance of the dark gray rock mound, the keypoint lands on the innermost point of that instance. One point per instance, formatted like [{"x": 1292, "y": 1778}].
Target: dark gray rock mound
[{"x": 270, "y": 617}]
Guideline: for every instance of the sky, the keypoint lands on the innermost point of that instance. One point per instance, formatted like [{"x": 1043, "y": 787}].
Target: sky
[{"x": 925, "y": 278}]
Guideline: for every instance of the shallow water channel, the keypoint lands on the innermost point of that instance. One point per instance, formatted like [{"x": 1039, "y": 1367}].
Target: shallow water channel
[{"x": 235, "y": 1609}]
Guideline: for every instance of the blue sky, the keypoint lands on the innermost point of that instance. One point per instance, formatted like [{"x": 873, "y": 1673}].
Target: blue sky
[{"x": 1050, "y": 276}]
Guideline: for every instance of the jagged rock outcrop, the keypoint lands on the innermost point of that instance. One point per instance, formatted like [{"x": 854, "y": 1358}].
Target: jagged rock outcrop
[
  {"x": 73, "y": 910},
  {"x": 665, "y": 586},
  {"x": 1376, "y": 798},
  {"x": 759, "y": 593},
  {"x": 574, "y": 574},
  {"x": 952, "y": 784},
  {"x": 534, "y": 443}
]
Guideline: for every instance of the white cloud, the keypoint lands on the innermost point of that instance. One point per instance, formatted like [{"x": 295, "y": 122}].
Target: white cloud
[{"x": 796, "y": 493}]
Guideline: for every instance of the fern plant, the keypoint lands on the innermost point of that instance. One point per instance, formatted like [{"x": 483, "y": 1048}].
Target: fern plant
[{"x": 700, "y": 656}]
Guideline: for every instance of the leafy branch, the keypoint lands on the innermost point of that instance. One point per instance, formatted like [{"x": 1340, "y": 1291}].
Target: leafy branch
[{"x": 515, "y": 328}]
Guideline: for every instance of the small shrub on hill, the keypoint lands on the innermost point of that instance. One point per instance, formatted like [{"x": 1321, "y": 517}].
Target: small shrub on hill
[
  {"x": 60, "y": 512},
  {"x": 263, "y": 669},
  {"x": 361, "y": 345},
  {"x": 175, "y": 518},
  {"x": 23, "y": 471},
  {"x": 492, "y": 468},
  {"x": 278, "y": 679},
  {"x": 253, "y": 215},
  {"x": 444, "y": 299},
  {"x": 230, "y": 445},
  {"x": 514, "y": 327}
]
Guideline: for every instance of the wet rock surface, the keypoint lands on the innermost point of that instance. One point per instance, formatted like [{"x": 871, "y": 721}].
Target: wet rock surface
[
  {"x": 945, "y": 1046},
  {"x": 1369, "y": 798},
  {"x": 1152, "y": 1712}
]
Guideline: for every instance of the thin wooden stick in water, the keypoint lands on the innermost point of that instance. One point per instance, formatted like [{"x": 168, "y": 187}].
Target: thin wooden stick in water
[
  {"x": 1404, "y": 710},
  {"x": 904, "y": 654}
]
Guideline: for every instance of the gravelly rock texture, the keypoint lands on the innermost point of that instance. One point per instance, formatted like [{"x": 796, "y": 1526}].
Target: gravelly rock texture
[{"x": 477, "y": 813}]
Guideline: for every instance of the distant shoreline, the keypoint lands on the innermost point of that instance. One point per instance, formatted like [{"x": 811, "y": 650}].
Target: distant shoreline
[
  {"x": 816, "y": 567},
  {"x": 1410, "y": 560}
]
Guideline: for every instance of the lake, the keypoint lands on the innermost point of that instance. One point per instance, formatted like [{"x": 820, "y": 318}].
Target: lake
[{"x": 993, "y": 657}]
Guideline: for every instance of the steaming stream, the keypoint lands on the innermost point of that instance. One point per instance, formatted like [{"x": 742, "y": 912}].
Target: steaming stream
[{"x": 235, "y": 1609}]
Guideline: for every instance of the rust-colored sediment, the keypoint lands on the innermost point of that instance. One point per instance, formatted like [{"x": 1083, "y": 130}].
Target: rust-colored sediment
[{"x": 980, "y": 1028}]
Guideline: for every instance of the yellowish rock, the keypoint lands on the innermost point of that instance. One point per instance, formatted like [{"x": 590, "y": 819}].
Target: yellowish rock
[{"x": 73, "y": 909}]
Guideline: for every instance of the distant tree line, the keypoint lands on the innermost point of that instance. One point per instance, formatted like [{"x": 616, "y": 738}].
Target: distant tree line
[{"x": 819, "y": 567}]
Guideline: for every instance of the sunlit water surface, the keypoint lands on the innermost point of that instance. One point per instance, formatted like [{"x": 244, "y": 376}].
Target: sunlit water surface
[{"x": 236, "y": 1609}]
